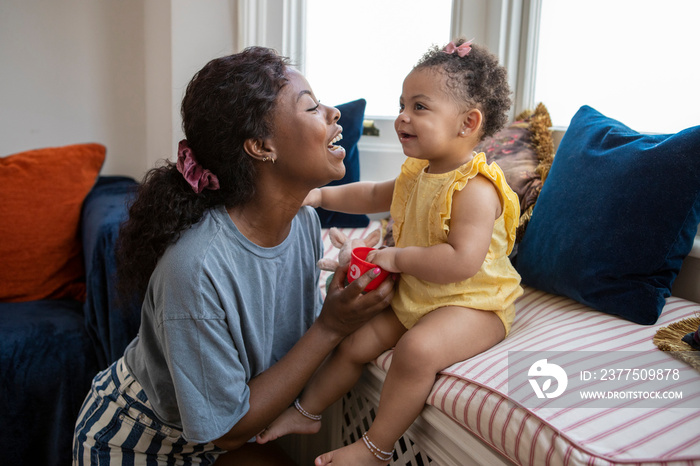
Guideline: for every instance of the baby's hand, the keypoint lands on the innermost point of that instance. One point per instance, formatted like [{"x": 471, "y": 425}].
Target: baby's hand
[
  {"x": 384, "y": 258},
  {"x": 313, "y": 198}
]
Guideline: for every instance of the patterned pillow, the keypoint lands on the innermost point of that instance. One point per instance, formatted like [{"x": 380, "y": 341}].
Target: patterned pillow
[{"x": 524, "y": 150}]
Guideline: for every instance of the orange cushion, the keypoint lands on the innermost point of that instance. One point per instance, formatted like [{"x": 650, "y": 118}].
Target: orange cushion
[{"x": 41, "y": 195}]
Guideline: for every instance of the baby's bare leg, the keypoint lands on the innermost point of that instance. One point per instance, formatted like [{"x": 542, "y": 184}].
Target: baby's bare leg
[
  {"x": 343, "y": 369},
  {"x": 440, "y": 339},
  {"x": 337, "y": 375}
]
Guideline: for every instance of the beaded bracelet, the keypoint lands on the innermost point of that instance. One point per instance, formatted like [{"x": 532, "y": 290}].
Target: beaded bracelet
[
  {"x": 381, "y": 455},
  {"x": 305, "y": 413}
]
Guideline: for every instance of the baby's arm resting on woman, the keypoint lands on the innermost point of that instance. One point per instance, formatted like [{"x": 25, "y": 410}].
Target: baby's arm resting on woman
[
  {"x": 474, "y": 211},
  {"x": 362, "y": 197},
  {"x": 271, "y": 392}
]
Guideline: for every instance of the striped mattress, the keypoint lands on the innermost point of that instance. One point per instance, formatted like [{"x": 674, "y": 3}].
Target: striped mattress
[{"x": 475, "y": 393}]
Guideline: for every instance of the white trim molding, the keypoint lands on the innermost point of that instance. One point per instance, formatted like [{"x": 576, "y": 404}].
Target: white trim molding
[
  {"x": 527, "y": 55},
  {"x": 511, "y": 32},
  {"x": 252, "y": 23},
  {"x": 294, "y": 32},
  {"x": 280, "y": 24}
]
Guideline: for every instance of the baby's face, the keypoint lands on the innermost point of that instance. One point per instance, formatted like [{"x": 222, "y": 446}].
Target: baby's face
[{"x": 430, "y": 123}]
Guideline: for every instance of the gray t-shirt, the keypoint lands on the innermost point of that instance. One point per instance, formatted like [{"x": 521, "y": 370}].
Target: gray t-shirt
[{"x": 218, "y": 311}]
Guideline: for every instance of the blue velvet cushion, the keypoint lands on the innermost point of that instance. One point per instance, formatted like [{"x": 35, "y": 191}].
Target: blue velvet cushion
[
  {"x": 47, "y": 363},
  {"x": 352, "y": 114},
  {"x": 110, "y": 324},
  {"x": 616, "y": 217}
]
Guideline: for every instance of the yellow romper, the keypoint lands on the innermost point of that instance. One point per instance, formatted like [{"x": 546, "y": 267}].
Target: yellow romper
[{"x": 421, "y": 208}]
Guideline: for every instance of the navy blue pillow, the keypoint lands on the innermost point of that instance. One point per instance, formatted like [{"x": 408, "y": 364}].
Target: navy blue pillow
[
  {"x": 352, "y": 114},
  {"x": 616, "y": 217}
]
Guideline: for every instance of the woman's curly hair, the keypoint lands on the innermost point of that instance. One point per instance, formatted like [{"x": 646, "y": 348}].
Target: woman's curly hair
[
  {"x": 476, "y": 80},
  {"x": 227, "y": 102}
]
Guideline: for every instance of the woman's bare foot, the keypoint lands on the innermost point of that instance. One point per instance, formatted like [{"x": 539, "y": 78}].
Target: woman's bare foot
[
  {"x": 356, "y": 454},
  {"x": 290, "y": 421}
]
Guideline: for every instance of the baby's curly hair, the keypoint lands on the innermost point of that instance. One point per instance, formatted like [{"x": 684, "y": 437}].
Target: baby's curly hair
[{"x": 476, "y": 80}]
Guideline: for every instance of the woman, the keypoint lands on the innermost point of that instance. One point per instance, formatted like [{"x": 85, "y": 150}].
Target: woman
[{"x": 223, "y": 257}]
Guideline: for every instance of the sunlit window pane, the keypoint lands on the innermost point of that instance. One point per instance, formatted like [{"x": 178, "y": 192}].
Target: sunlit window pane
[
  {"x": 633, "y": 60},
  {"x": 365, "y": 48}
]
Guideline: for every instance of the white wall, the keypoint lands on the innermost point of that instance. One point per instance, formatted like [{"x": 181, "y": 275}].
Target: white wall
[
  {"x": 73, "y": 71},
  {"x": 107, "y": 71}
]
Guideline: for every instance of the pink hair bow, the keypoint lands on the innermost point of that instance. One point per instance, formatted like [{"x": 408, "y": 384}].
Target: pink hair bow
[
  {"x": 197, "y": 177},
  {"x": 463, "y": 50}
]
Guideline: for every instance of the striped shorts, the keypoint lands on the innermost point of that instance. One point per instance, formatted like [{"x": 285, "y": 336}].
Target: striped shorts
[{"x": 117, "y": 425}]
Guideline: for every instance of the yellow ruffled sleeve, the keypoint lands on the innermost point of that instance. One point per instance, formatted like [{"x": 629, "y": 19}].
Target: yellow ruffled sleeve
[{"x": 511, "y": 204}]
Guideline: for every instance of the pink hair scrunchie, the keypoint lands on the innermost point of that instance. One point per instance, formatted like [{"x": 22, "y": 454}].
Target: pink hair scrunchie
[{"x": 197, "y": 177}]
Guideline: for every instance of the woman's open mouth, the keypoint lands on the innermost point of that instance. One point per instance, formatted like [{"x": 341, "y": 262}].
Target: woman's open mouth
[
  {"x": 337, "y": 151},
  {"x": 332, "y": 145}
]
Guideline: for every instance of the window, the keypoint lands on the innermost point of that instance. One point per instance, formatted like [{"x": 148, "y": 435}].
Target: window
[
  {"x": 365, "y": 48},
  {"x": 633, "y": 60}
]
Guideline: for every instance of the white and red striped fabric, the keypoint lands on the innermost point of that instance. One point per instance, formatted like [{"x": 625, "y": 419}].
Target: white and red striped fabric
[{"x": 474, "y": 393}]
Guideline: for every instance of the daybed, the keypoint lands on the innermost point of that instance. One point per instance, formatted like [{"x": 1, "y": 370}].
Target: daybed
[
  {"x": 58, "y": 322},
  {"x": 607, "y": 234}
]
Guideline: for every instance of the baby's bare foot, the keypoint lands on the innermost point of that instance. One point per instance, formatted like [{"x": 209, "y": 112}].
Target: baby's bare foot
[{"x": 290, "y": 421}]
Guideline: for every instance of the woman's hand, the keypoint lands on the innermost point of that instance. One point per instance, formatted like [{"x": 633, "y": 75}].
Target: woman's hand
[
  {"x": 348, "y": 308},
  {"x": 385, "y": 258}
]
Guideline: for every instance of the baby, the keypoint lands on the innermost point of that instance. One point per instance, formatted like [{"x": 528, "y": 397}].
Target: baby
[{"x": 455, "y": 222}]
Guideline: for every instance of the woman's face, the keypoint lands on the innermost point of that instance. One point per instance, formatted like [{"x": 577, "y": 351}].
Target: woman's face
[{"x": 304, "y": 132}]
